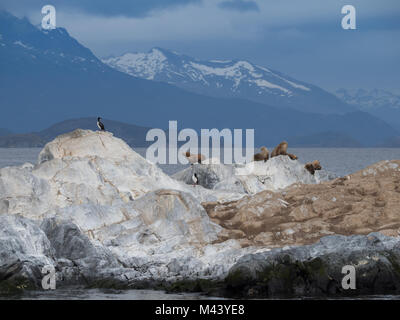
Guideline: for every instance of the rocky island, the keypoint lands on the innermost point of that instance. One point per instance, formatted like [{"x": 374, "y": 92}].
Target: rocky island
[{"x": 103, "y": 216}]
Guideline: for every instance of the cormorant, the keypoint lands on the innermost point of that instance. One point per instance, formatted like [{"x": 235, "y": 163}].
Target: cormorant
[{"x": 100, "y": 124}]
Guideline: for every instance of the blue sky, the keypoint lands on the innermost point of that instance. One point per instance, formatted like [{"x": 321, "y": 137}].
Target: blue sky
[{"x": 303, "y": 39}]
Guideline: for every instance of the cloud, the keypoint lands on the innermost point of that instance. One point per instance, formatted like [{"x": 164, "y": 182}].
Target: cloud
[
  {"x": 136, "y": 8},
  {"x": 239, "y": 5},
  {"x": 301, "y": 38}
]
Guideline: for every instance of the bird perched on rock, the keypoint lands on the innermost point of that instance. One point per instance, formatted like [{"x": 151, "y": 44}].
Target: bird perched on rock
[
  {"x": 100, "y": 125},
  {"x": 195, "y": 179}
]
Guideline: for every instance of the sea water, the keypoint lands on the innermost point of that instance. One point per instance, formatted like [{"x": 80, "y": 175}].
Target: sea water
[
  {"x": 341, "y": 161},
  {"x": 104, "y": 294},
  {"x": 110, "y": 294}
]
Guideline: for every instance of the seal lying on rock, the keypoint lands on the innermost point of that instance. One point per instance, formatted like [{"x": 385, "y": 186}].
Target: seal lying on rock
[
  {"x": 281, "y": 150},
  {"x": 313, "y": 166},
  {"x": 262, "y": 156},
  {"x": 194, "y": 158}
]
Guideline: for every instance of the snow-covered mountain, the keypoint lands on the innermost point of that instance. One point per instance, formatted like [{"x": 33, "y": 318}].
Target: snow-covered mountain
[
  {"x": 227, "y": 78},
  {"x": 370, "y": 99},
  {"x": 21, "y": 42}
]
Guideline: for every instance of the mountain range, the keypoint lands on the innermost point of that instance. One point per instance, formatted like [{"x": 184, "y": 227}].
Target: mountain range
[
  {"x": 228, "y": 79},
  {"x": 381, "y": 103},
  {"x": 46, "y": 77}
]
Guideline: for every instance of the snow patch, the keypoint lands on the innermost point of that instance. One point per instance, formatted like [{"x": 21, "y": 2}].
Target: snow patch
[
  {"x": 212, "y": 74},
  {"x": 266, "y": 84},
  {"x": 20, "y": 43},
  {"x": 146, "y": 65},
  {"x": 220, "y": 61}
]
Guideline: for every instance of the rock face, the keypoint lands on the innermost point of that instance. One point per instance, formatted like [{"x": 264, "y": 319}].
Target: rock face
[
  {"x": 71, "y": 244},
  {"x": 215, "y": 176},
  {"x": 85, "y": 167},
  {"x": 275, "y": 174},
  {"x": 105, "y": 212},
  {"x": 24, "y": 250},
  {"x": 102, "y": 215},
  {"x": 361, "y": 203},
  {"x": 316, "y": 269}
]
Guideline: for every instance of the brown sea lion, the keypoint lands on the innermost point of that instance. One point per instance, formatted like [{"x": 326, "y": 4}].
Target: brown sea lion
[
  {"x": 194, "y": 158},
  {"x": 313, "y": 166},
  {"x": 280, "y": 149},
  {"x": 317, "y": 165},
  {"x": 262, "y": 156}
]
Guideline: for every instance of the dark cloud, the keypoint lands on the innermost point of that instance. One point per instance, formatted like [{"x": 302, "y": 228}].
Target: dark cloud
[
  {"x": 128, "y": 8},
  {"x": 301, "y": 38},
  {"x": 239, "y": 5}
]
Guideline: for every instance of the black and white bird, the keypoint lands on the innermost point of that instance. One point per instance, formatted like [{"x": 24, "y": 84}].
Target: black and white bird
[
  {"x": 195, "y": 179},
  {"x": 100, "y": 124}
]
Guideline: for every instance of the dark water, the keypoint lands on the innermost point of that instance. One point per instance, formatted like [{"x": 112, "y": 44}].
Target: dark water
[
  {"x": 341, "y": 161},
  {"x": 97, "y": 294},
  {"x": 109, "y": 294}
]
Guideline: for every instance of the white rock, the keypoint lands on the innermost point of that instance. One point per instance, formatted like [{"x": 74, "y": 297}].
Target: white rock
[
  {"x": 107, "y": 202},
  {"x": 275, "y": 174}
]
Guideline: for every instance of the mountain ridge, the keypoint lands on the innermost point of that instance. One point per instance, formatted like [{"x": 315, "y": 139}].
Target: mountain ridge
[
  {"x": 133, "y": 135},
  {"x": 229, "y": 79},
  {"x": 383, "y": 104}
]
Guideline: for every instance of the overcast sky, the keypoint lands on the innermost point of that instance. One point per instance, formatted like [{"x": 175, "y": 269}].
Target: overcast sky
[{"x": 301, "y": 38}]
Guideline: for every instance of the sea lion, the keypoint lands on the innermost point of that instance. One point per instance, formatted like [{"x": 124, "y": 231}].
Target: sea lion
[
  {"x": 313, "y": 166},
  {"x": 317, "y": 165},
  {"x": 280, "y": 149},
  {"x": 194, "y": 158},
  {"x": 262, "y": 156},
  {"x": 310, "y": 168}
]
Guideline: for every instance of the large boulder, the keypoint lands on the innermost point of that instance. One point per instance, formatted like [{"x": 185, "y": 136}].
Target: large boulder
[
  {"x": 208, "y": 174},
  {"x": 26, "y": 247},
  {"x": 70, "y": 243},
  {"x": 84, "y": 167},
  {"x": 316, "y": 269},
  {"x": 106, "y": 211},
  {"x": 162, "y": 221},
  {"x": 162, "y": 229},
  {"x": 24, "y": 250},
  {"x": 275, "y": 174}
]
